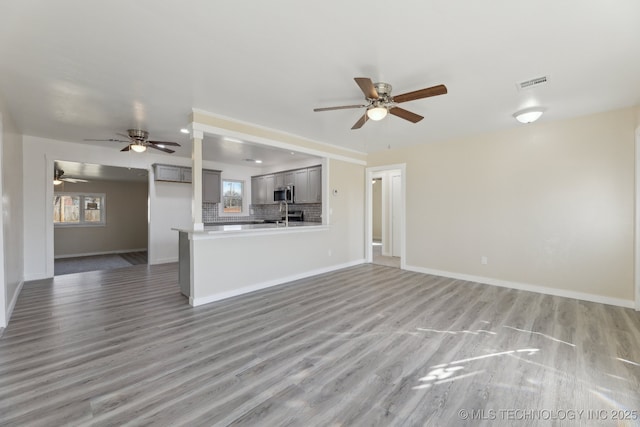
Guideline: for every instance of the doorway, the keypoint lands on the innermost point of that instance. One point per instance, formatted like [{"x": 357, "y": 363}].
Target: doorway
[
  {"x": 386, "y": 215},
  {"x": 100, "y": 217}
]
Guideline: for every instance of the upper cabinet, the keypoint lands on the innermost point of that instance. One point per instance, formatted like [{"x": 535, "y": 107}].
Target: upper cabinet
[
  {"x": 307, "y": 184},
  {"x": 210, "y": 186},
  {"x": 172, "y": 173},
  {"x": 210, "y": 179},
  {"x": 300, "y": 182},
  {"x": 314, "y": 189}
]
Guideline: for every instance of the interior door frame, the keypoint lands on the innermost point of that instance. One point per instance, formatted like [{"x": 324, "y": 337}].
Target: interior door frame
[
  {"x": 637, "y": 222},
  {"x": 369, "y": 172}
]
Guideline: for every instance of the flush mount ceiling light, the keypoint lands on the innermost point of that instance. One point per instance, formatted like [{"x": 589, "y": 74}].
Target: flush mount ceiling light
[
  {"x": 184, "y": 130},
  {"x": 377, "y": 113},
  {"x": 138, "y": 148},
  {"x": 528, "y": 115}
]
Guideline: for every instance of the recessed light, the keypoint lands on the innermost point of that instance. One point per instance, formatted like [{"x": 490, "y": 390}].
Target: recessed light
[
  {"x": 258, "y": 161},
  {"x": 184, "y": 130}
]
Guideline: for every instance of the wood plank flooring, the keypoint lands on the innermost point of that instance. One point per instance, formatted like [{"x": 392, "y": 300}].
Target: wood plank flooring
[{"x": 368, "y": 345}]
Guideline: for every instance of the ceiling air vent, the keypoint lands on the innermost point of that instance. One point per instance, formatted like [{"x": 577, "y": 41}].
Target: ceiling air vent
[{"x": 528, "y": 84}]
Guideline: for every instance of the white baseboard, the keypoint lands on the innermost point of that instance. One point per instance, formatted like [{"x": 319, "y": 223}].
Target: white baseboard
[
  {"x": 526, "y": 287},
  {"x": 269, "y": 283},
  {"x": 119, "y": 251},
  {"x": 13, "y": 302},
  {"x": 163, "y": 260},
  {"x": 40, "y": 276}
]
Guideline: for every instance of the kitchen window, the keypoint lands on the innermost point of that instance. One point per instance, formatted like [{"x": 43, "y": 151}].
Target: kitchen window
[
  {"x": 77, "y": 209},
  {"x": 232, "y": 196}
]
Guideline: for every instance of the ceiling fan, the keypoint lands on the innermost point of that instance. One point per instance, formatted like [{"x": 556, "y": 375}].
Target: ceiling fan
[
  {"x": 138, "y": 141},
  {"x": 380, "y": 102},
  {"x": 58, "y": 178}
]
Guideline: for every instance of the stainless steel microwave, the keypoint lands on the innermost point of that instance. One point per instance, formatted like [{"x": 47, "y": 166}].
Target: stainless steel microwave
[{"x": 284, "y": 194}]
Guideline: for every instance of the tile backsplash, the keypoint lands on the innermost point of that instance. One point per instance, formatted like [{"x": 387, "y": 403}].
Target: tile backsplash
[{"x": 312, "y": 212}]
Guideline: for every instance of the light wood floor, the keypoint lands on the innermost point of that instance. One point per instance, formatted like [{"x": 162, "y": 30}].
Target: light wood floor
[{"x": 368, "y": 345}]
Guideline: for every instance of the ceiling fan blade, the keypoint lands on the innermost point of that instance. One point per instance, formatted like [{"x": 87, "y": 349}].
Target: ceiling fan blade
[
  {"x": 344, "y": 107},
  {"x": 166, "y": 150},
  {"x": 174, "y": 144},
  {"x": 107, "y": 140},
  {"x": 127, "y": 148},
  {"x": 404, "y": 114},
  {"x": 360, "y": 122},
  {"x": 73, "y": 180},
  {"x": 122, "y": 134},
  {"x": 419, "y": 94},
  {"x": 366, "y": 85}
]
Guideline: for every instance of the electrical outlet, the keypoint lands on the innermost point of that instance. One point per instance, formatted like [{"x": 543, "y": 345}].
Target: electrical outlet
[{"x": 484, "y": 260}]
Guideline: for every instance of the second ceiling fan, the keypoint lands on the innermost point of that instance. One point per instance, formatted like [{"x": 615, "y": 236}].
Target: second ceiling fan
[{"x": 380, "y": 102}]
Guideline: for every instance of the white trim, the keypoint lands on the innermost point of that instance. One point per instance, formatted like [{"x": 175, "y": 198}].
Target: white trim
[
  {"x": 255, "y": 126},
  {"x": 4, "y": 313},
  {"x": 369, "y": 173},
  {"x": 13, "y": 302},
  {"x": 119, "y": 251},
  {"x": 269, "y": 283},
  {"x": 637, "y": 221},
  {"x": 525, "y": 287},
  {"x": 39, "y": 276},
  {"x": 163, "y": 261}
]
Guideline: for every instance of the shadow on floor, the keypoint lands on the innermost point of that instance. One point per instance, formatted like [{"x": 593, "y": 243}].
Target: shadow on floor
[{"x": 98, "y": 262}]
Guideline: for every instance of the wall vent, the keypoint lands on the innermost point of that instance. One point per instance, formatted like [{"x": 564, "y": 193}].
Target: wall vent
[{"x": 528, "y": 84}]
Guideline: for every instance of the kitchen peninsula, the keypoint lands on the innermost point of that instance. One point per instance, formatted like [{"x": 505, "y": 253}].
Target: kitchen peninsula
[
  {"x": 229, "y": 260},
  {"x": 218, "y": 260}
]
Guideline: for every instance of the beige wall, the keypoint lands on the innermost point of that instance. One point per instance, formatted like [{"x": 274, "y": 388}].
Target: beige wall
[
  {"x": 126, "y": 228},
  {"x": 549, "y": 204}
]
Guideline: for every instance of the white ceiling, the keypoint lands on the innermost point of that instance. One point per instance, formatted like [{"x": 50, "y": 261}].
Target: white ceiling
[{"x": 72, "y": 70}]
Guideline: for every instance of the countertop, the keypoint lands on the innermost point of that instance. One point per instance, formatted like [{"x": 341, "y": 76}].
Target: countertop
[{"x": 251, "y": 228}]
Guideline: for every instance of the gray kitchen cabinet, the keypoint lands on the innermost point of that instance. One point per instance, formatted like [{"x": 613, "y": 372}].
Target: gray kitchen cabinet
[
  {"x": 278, "y": 180},
  {"x": 307, "y": 184},
  {"x": 185, "y": 175},
  {"x": 269, "y": 182},
  {"x": 210, "y": 186},
  {"x": 256, "y": 185},
  {"x": 301, "y": 183},
  {"x": 172, "y": 173},
  {"x": 288, "y": 178},
  {"x": 314, "y": 187},
  {"x": 167, "y": 173}
]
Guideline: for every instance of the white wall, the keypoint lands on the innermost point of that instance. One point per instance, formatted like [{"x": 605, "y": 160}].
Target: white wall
[
  {"x": 169, "y": 203},
  {"x": 11, "y": 234},
  {"x": 550, "y": 204}
]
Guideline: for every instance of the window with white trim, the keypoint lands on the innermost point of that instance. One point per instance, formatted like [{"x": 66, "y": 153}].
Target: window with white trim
[
  {"x": 78, "y": 209},
  {"x": 232, "y": 196}
]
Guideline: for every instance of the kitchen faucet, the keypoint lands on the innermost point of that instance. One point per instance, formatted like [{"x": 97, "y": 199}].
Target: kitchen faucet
[{"x": 286, "y": 212}]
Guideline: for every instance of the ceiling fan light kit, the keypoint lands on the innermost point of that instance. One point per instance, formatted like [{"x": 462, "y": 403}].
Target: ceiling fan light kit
[
  {"x": 138, "y": 148},
  {"x": 377, "y": 113},
  {"x": 380, "y": 102},
  {"x": 528, "y": 115}
]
